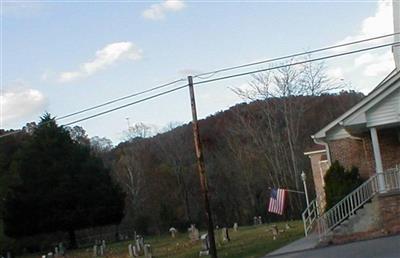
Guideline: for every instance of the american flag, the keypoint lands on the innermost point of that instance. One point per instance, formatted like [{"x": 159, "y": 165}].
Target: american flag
[{"x": 277, "y": 201}]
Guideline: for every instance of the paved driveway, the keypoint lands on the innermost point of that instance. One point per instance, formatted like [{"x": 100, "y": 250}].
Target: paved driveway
[{"x": 385, "y": 247}]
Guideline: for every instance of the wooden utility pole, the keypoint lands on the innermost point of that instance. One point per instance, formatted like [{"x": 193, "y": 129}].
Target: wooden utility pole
[{"x": 202, "y": 171}]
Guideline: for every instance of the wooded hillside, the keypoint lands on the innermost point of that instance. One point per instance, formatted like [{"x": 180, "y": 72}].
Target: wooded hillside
[{"x": 248, "y": 148}]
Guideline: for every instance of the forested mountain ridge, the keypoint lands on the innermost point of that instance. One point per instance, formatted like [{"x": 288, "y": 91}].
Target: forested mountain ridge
[{"x": 248, "y": 148}]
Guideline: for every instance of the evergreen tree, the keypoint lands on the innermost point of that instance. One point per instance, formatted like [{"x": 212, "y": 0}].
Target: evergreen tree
[
  {"x": 61, "y": 186},
  {"x": 339, "y": 182}
]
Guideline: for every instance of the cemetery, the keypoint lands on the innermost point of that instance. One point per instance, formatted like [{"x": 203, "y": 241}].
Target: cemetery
[{"x": 233, "y": 242}]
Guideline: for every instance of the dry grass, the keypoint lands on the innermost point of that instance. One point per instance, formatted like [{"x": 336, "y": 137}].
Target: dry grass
[{"x": 248, "y": 242}]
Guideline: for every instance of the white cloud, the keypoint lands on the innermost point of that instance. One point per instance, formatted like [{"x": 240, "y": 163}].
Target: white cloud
[
  {"x": 104, "y": 57},
  {"x": 158, "y": 11},
  {"x": 366, "y": 69},
  {"x": 365, "y": 58},
  {"x": 380, "y": 65},
  {"x": 21, "y": 102},
  {"x": 380, "y": 23},
  {"x": 335, "y": 73}
]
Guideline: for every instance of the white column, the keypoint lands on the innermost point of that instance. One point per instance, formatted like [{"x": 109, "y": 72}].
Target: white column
[{"x": 378, "y": 159}]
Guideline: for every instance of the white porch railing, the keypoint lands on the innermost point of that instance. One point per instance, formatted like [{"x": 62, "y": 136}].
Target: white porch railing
[
  {"x": 309, "y": 216},
  {"x": 352, "y": 202}
]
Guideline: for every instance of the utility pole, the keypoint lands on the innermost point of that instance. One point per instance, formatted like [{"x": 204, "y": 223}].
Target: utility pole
[{"x": 202, "y": 171}]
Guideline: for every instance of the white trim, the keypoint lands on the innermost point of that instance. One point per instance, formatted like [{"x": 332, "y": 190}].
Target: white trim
[
  {"x": 386, "y": 83},
  {"x": 314, "y": 152},
  {"x": 378, "y": 158}
]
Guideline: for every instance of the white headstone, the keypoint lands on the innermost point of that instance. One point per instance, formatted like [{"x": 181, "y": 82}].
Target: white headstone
[
  {"x": 235, "y": 226},
  {"x": 148, "y": 253},
  {"x": 205, "y": 245},
  {"x": 173, "y": 231},
  {"x": 225, "y": 235}
]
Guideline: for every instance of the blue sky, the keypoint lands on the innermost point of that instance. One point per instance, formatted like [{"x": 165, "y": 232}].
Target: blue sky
[{"x": 62, "y": 57}]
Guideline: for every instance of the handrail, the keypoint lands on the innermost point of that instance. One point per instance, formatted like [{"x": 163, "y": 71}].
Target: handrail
[
  {"x": 309, "y": 215},
  {"x": 357, "y": 198}
]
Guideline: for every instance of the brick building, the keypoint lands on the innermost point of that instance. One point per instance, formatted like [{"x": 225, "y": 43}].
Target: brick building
[{"x": 368, "y": 137}]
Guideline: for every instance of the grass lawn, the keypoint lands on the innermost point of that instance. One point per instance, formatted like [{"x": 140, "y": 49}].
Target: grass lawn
[{"x": 248, "y": 242}]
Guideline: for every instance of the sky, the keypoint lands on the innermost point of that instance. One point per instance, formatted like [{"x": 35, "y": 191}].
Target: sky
[{"x": 64, "y": 56}]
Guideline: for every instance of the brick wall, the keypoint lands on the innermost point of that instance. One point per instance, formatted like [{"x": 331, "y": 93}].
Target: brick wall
[
  {"x": 390, "y": 212},
  {"x": 353, "y": 152},
  {"x": 358, "y": 152},
  {"x": 319, "y": 168},
  {"x": 390, "y": 147}
]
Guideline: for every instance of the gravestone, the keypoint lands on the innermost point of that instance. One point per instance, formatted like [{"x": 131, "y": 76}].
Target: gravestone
[
  {"x": 101, "y": 249},
  {"x": 287, "y": 226},
  {"x": 132, "y": 251},
  {"x": 148, "y": 252},
  {"x": 50, "y": 255},
  {"x": 259, "y": 220},
  {"x": 56, "y": 253},
  {"x": 255, "y": 221},
  {"x": 173, "y": 231},
  {"x": 235, "y": 226},
  {"x": 194, "y": 234},
  {"x": 205, "y": 245},
  {"x": 103, "y": 244},
  {"x": 275, "y": 232},
  {"x": 61, "y": 249},
  {"x": 139, "y": 244},
  {"x": 225, "y": 235},
  {"x": 95, "y": 252}
]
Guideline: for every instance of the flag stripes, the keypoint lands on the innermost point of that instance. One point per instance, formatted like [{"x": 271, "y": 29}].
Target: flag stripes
[{"x": 277, "y": 201}]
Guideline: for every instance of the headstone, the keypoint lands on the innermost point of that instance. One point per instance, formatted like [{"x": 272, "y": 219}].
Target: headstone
[
  {"x": 95, "y": 251},
  {"x": 139, "y": 244},
  {"x": 275, "y": 232},
  {"x": 101, "y": 249},
  {"x": 50, "y": 255},
  {"x": 61, "y": 249},
  {"x": 194, "y": 234},
  {"x": 235, "y": 226},
  {"x": 255, "y": 221},
  {"x": 132, "y": 250},
  {"x": 56, "y": 251},
  {"x": 173, "y": 231},
  {"x": 287, "y": 226},
  {"x": 103, "y": 243},
  {"x": 205, "y": 245},
  {"x": 148, "y": 252},
  {"x": 259, "y": 220},
  {"x": 225, "y": 235},
  {"x": 9, "y": 255}
]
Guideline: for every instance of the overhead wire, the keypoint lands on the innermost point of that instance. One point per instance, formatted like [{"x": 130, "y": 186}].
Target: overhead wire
[
  {"x": 216, "y": 79},
  {"x": 120, "y": 99},
  {"x": 212, "y": 73},
  {"x": 126, "y": 105},
  {"x": 297, "y": 63}
]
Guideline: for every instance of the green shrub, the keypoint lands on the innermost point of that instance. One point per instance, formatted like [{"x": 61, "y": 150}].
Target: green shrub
[{"x": 339, "y": 182}]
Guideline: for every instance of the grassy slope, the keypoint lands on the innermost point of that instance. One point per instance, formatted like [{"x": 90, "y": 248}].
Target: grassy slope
[{"x": 248, "y": 242}]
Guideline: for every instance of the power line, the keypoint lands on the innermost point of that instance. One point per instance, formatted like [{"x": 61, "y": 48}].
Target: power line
[
  {"x": 120, "y": 99},
  {"x": 127, "y": 105},
  {"x": 235, "y": 75},
  {"x": 212, "y": 73},
  {"x": 298, "y": 63},
  {"x": 203, "y": 82}
]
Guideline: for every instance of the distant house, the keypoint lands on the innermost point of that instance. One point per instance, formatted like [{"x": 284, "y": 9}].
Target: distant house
[{"x": 368, "y": 137}]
